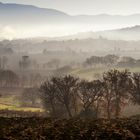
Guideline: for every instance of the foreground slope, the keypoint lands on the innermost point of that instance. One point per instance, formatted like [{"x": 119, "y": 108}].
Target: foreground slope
[{"x": 79, "y": 129}]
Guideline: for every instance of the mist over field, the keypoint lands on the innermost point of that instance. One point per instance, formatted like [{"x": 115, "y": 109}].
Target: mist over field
[{"x": 69, "y": 69}]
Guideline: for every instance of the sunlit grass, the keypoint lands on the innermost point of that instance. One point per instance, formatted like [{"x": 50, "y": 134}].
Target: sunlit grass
[
  {"x": 15, "y": 108},
  {"x": 9, "y": 102}
]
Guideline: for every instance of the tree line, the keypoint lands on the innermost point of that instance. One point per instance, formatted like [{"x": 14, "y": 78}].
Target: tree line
[
  {"x": 69, "y": 96},
  {"x": 10, "y": 79},
  {"x": 112, "y": 60}
]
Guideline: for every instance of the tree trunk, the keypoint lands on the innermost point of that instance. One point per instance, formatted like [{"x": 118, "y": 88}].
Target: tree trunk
[
  {"x": 97, "y": 110},
  {"x": 75, "y": 107},
  {"x": 117, "y": 113},
  {"x": 53, "y": 109},
  {"x": 68, "y": 110},
  {"x": 108, "y": 112}
]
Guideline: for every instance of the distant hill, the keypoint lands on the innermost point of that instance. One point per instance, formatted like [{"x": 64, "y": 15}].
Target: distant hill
[
  {"x": 133, "y": 29},
  {"x": 17, "y": 20},
  {"x": 27, "y": 13},
  {"x": 128, "y": 33},
  {"x": 17, "y": 13}
]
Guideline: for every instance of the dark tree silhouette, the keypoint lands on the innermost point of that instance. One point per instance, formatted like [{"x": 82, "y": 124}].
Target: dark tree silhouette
[
  {"x": 89, "y": 93},
  {"x": 48, "y": 94},
  {"x": 135, "y": 90},
  {"x": 118, "y": 83},
  {"x": 108, "y": 96},
  {"x": 66, "y": 89}
]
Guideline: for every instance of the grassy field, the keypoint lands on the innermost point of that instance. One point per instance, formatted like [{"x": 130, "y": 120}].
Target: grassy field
[
  {"x": 10, "y": 107},
  {"x": 9, "y": 102},
  {"x": 95, "y": 73}
]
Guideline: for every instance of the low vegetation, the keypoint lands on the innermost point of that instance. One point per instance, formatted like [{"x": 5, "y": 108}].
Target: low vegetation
[{"x": 80, "y": 129}]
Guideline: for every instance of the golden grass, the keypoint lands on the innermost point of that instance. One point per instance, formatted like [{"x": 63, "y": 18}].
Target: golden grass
[
  {"x": 16, "y": 108},
  {"x": 9, "y": 102}
]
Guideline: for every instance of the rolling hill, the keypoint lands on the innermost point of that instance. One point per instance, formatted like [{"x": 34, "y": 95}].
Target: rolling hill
[
  {"x": 21, "y": 21},
  {"x": 128, "y": 33}
]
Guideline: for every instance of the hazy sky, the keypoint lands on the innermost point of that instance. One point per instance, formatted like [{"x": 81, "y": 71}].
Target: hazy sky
[{"x": 75, "y": 7}]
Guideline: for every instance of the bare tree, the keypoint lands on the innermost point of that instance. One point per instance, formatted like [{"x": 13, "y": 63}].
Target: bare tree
[
  {"x": 66, "y": 88},
  {"x": 108, "y": 97},
  {"x": 89, "y": 93},
  {"x": 48, "y": 94},
  {"x": 118, "y": 83},
  {"x": 135, "y": 88}
]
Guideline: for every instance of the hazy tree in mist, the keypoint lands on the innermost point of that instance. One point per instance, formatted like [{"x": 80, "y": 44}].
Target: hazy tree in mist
[
  {"x": 109, "y": 60},
  {"x": 8, "y": 78},
  {"x": 24, "y": 63},
  {"x": 3, "y": 62}
]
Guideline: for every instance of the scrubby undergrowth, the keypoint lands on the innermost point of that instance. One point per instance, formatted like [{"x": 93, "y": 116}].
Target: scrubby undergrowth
[{"x": 73, "y": 129}]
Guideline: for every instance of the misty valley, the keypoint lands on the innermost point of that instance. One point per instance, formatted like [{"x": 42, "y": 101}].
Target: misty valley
[
  {"x": 69, "y": 77},
  {"x": 83, "y": 71}
]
